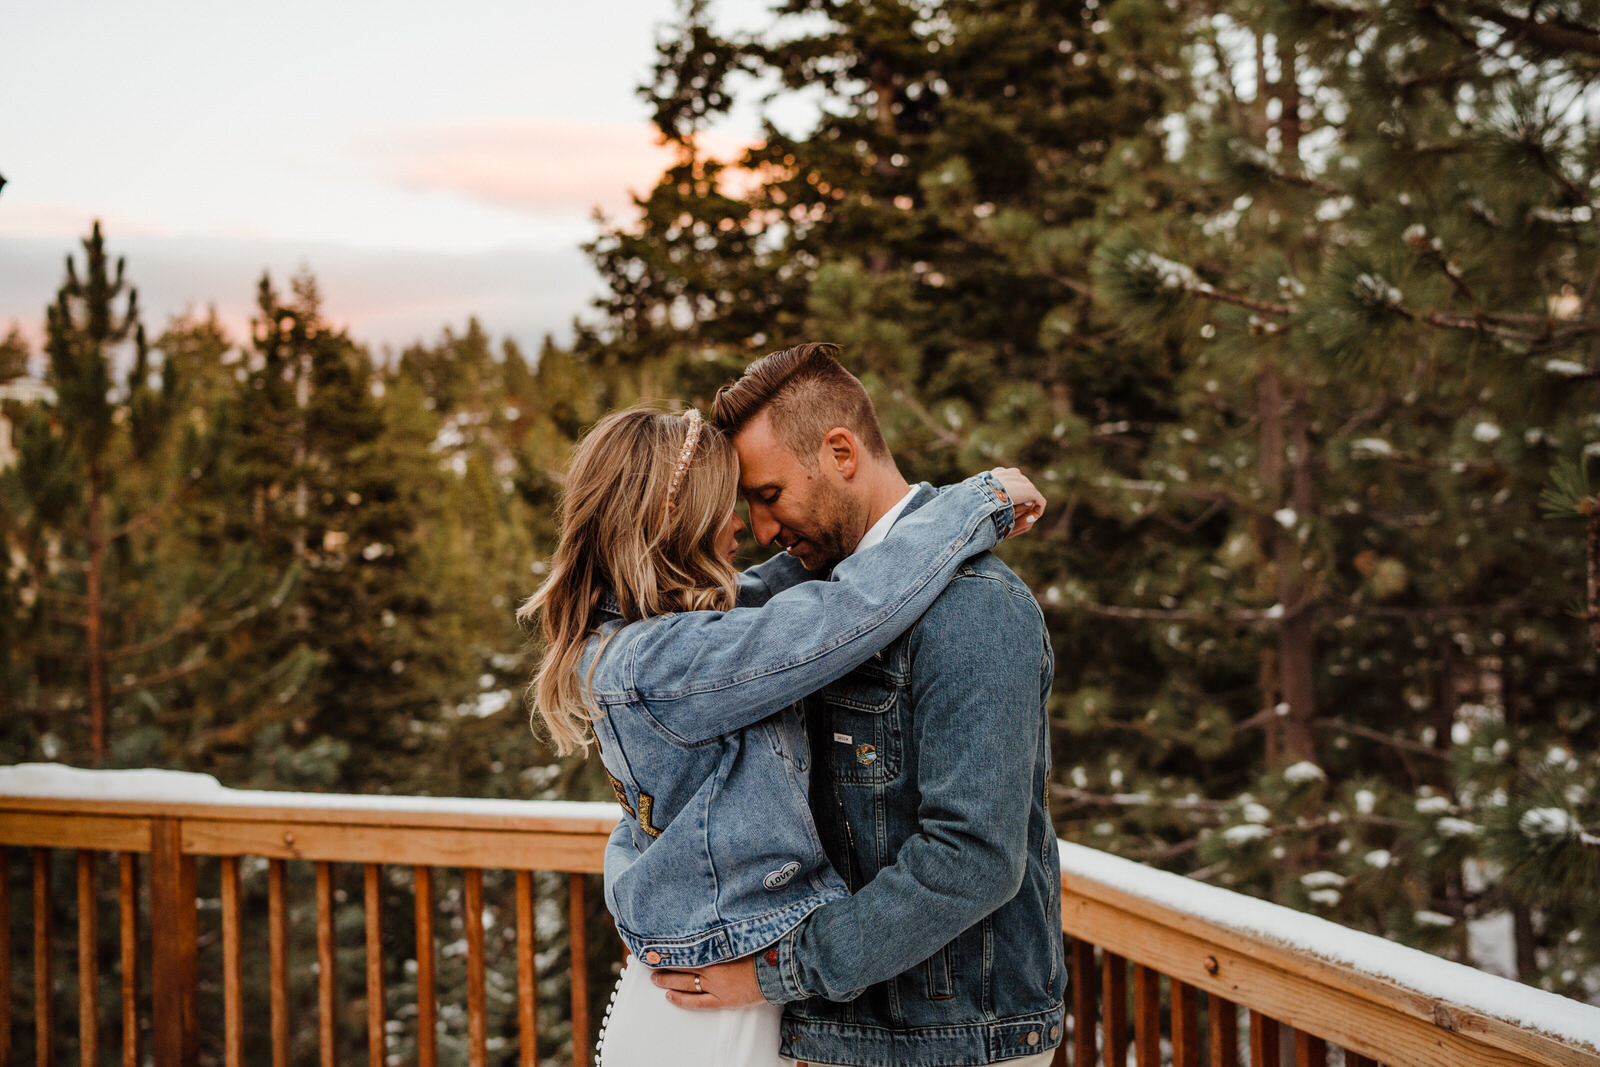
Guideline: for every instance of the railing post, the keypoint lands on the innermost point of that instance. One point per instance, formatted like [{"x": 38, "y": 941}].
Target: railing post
[{"x": 174, "y": 949}]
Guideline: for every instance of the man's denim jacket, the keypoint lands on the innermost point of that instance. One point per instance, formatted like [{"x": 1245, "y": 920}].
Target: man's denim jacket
[
  {"x": 930, "y": 769},
  {"x": 717, "y": 855}
]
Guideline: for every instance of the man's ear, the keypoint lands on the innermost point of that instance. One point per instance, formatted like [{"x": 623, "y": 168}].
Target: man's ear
[{"x": 842, "y": 451}]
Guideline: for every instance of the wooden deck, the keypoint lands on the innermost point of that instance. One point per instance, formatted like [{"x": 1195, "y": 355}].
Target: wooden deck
[{"x": 1162, "y": 983}]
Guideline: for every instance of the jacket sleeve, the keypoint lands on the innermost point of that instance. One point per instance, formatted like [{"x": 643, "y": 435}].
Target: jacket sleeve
[
  {"x": 702, "y": 674},
  {"x": 761, "y": 583},
  {"x": 978, "y": 730}
]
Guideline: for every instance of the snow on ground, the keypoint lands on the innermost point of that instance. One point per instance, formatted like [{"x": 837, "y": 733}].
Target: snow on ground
[
  {"x": 1520, "y": 1005},
  {"x": 184, "y": 787}
]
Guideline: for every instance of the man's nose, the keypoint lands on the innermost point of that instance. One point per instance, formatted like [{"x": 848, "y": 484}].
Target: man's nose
[{"x": 763, "y": 525}]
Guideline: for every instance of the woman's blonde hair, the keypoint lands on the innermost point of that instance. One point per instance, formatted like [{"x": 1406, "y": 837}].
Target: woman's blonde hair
[{"x": 619, "y": 536}]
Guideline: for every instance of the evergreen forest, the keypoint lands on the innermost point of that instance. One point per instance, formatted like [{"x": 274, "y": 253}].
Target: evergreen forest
[{"x": 1292, "y": 307}]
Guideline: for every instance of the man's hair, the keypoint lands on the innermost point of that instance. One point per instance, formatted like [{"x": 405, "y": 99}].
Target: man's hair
[{"x": 807, "y": 393}]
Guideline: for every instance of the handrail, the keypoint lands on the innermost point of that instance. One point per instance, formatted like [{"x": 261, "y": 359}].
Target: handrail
[{"x": 1378, "y": 1000}]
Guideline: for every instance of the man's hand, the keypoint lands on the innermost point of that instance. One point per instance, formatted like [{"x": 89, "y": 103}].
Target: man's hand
[
  {"x": 1027, "y": 503},
  {"x": 722, "y": 985}
]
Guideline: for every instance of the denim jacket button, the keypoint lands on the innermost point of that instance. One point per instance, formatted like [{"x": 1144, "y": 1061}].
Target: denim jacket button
[
  {"x": 1033, "y": 1037},
  {"x": 652, "y": 957},
  {"x": 1055, "y": 1032}
]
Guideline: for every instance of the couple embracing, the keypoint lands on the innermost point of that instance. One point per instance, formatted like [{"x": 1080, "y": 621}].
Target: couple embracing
[{"x": 835, "y": 846}]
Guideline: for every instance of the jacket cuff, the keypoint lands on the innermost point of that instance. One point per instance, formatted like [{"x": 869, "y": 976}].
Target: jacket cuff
[
  {"x": 1005, "y": 515},
  {"x": 775, "y": 971}
]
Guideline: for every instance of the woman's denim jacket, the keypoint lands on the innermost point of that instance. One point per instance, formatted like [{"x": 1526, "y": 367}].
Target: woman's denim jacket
[{"x": 717, "y": 855}]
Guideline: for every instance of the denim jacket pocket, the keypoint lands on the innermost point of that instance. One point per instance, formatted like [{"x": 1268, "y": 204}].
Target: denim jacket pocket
[
  {"x": 786, "y": 731},
  {"x": 866, "y": 742},
  {"x": 941, "y": 973}
]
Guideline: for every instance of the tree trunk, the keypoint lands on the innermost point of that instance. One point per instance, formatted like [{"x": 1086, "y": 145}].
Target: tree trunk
[
  {"x": 1258, "y": 112},
  {"x": 95, "y": 639},
  {"x": 1289, "y": 99},
  {"x": 1296, "y": 661},
  {"x": 1592, "y": 521},
  {"x": 1297, "y": 639},
  {"x": 1522, "y": 933}
]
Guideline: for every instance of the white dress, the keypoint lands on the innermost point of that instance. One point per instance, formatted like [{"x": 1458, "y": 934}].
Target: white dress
[{"x": 642, "y": 1030}]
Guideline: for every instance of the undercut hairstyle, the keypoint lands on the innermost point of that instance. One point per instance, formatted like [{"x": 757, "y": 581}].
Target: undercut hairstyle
[{"x": 807, "y": 393}]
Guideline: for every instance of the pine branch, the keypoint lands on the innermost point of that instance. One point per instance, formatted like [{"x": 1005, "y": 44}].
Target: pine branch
[
  {"x": 1403, "y": 743},
  {"x": 1135, "y": 800},
  {"x": 1246, "y": 616},
  {"x": 151, "y": 514},
  {"x": 1266, "y": 307},
  {"x": 1559, "y": 35},
  {"x": 924, "y": 416},
  {"x": 1448, "y": 611},
  {"x": 162, "y": 677},
  {"x": 189, "y": 619},
  {"x": 1260, "y": 159}
]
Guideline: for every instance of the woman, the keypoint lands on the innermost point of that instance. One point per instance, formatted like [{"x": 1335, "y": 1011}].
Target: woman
[{"x": 691, "y": 701}]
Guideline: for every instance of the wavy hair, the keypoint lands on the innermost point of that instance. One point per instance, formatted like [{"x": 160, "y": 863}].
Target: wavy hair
[{"x": 619, "y": 536}]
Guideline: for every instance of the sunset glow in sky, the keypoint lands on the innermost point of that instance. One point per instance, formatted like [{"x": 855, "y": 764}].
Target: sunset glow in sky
[{"x": 425, "y": 161}]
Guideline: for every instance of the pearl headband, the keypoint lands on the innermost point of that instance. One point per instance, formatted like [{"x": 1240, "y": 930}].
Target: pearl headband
[{"x": 690, "y": 440}]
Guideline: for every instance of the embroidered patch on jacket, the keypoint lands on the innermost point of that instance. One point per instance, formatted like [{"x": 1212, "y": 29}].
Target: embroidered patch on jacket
[
  {"x": 866, "y": 755},
  {"x": 620, "y": 793},
  {"x": 782, "y": 876},
  {"x": 647, "y": 805}
]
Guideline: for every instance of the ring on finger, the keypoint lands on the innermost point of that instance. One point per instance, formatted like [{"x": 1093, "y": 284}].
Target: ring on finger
[{"x": 698, "y": 988}]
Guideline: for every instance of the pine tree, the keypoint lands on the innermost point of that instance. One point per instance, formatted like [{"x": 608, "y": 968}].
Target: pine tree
[
  {"x": 98, "y": 475},
  {"x": 1374, "y": 402},
  {"x": 14, "y": 354}
]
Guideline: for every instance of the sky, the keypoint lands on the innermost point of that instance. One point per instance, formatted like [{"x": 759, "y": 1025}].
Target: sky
[{"x": 426, "y": 162}]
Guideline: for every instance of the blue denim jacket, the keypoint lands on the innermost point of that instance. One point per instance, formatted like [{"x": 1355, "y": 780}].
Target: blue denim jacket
[
  {"x": 717, "y": 855},
  {"x": 930, "y": 769}
]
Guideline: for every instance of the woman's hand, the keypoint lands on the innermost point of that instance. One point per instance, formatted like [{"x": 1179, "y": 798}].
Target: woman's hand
[{"x": 1026, "y": 500}]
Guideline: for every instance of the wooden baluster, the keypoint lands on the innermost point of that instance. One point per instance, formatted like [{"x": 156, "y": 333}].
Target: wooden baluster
[
  {"x": 327, "y": 967},
  {"x": 278, "y": 954},
  {"x": 377, "y": 1036},
  {"x": 174, "y": 947},
  {"x": 128, "y": 909},
  {"x": 1185, "y": 1025},
  {"x": 1084, "y": 1015},
  {"x": 1146, "y": 1016},
  {"x": 1222, "y": 1025},
  {"x": 88, "y": 963},
  {"x": 1114, "y": 992},
  {"x": 232, "y": 967},
  {"x": 472, "y": 919},
  {"x": 1309, "y": 1051},
  {"x": 1356, "y": 1059},
  {"x": 579, "y": 940},
  {"x": 527, "y": 973},
  {"x": 1263, "y": 1040},
  {"x": 427, "y": 997},
  {"x": 44, "y": 1016},
  {"x": 5, "y": 957}
]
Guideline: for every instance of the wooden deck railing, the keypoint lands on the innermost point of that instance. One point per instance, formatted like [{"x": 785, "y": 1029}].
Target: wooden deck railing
[{"x": 1200, "y": 957}]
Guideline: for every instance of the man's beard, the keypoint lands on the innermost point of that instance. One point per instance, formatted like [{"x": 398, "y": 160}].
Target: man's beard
[{"x": 838, "y": 521}]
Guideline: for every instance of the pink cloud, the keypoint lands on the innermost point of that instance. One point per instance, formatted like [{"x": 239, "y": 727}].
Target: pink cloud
[{"x": 542, "y": 166}]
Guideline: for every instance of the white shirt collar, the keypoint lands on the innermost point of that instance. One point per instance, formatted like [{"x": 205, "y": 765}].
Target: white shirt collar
[{"x": 880, "y": 529}]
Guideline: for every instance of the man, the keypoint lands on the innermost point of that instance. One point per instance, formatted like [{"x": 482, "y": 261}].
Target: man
[{"x": 930, "y": 765}]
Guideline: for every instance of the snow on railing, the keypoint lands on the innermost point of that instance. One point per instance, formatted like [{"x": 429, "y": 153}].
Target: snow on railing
[{"x": 1198, "y": 953}]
